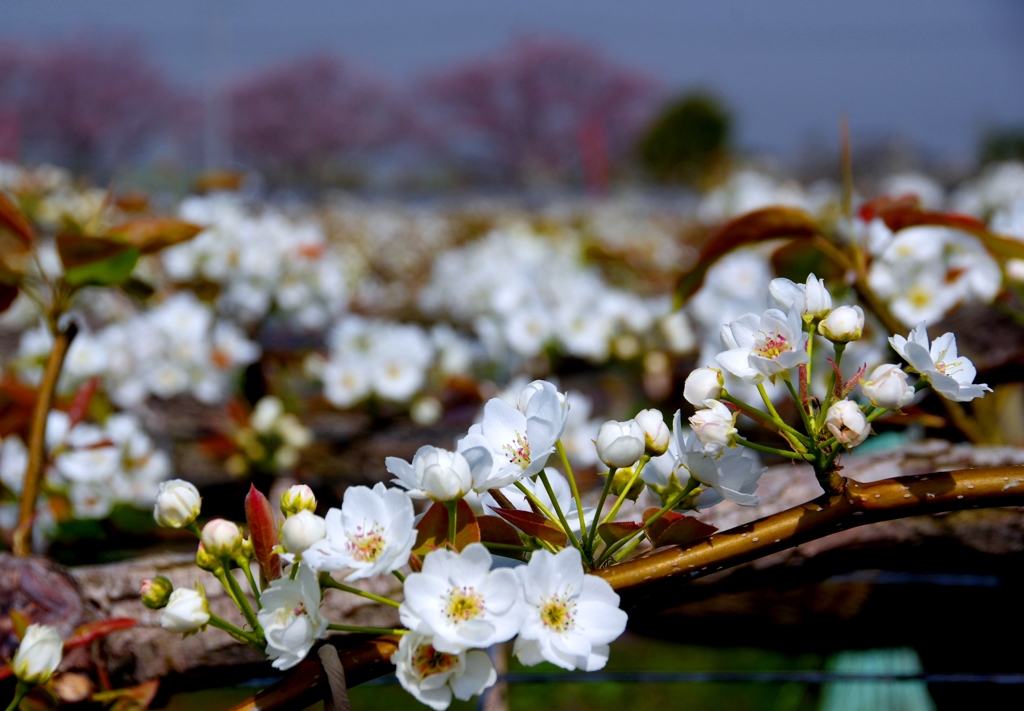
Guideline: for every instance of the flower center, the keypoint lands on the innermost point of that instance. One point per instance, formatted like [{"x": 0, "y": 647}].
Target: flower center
[
  {"x": 464, "y": 604},
  {"x": 519, "y": 451},
  {"x": 366, "y": 544},
  {"x": 558, "y": 613},
  {"x": 427, "y": 661},
  {"x": 772, "y": 346}
]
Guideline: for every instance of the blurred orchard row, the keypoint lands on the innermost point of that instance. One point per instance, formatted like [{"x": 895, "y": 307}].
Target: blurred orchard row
[{"x": 302, "y": 340}]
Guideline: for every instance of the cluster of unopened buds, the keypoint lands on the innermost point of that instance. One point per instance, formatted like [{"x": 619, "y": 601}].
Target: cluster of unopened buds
[{"x": 506, "y": 547}]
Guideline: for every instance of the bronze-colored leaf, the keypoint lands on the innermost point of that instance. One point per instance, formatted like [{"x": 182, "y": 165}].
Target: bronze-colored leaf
[
  {"x": 79, "y": 250},
  {"x": 675, "y": 529},
  {"x": 613, "y": 531},
  {"x": 150, "y": 234},
  {"x": 14, "y": 220},
  {"x": 533, "y": 524},
  {"x": 263, "y": 531},
  {"x": 432, "y": 530},
  {"x": 92, "y": 631},
  {"x": 494, "y": 529},
  {"x": 757, "y": 226}
]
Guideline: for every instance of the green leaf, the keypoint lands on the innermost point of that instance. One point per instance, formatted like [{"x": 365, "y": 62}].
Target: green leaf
[{"x": 105, "y": 272}]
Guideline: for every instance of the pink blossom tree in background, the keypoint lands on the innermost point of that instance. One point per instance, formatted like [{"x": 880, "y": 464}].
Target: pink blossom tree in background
[
  {"x": 89, "y": 105},
  {"x": 310, "y": 118},
  {"x": 542, "y": 108}
]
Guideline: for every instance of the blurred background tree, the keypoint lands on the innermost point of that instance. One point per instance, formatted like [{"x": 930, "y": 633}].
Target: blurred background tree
[
  {"x": 688, "y": 141},
  {"x": 1002, "y": 144}
]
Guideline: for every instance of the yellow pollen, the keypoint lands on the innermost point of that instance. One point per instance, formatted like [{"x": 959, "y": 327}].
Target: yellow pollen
[
  {"x": 919, "y": 297},
  {"x": 558, "y": 614},
  {"x": 366, "y": 544},
  {"x": 427, "y": 661},
  {"x": 519, "y": 453},
  {"x": 773, "y": 346},
  {"x": 464, "y": 604}
]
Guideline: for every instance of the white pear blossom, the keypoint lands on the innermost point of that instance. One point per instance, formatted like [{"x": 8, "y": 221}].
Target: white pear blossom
[
  {"x": 459, "y": 600},
  {"x": 811, "y": 299},
  {"x": 887, "y": 387},
  {"x": 433, "y": 677},
  {"x": 715, "y": 427},
  {"x": 763, "y": 346},
  {"x": 703, "y": 384},
  {"x": 569, "y": 618},
  {"x": 437, "y": 474},
  {"x": 177, "y": 504},
  {"x": 370, "y": 535},
  {"x": 302, "y": 530},
  {"x": 187, "y": 610},
  {"x": 844, "y": 324},
  {"x": 620, "y": 444},
  {"x": 291, "y": 618},
  {"x": 952, "y": 376},
  {"x": 847, "y": 423},
  {"x": 656, "y": 432},
  {"x": 38, "y": 655}
]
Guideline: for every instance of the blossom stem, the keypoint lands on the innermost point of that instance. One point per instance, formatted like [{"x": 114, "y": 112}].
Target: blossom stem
[
  {"x": 673, "y": 502},
  {"x": 629, "y": 549},
  {"x": 228, "y": 581},
  {"x": 235, "y": 632},
  {"x": 572, "y": 484},
  {"x": 401, "y": 578},
  {"x": 328, "y": 582},
  {"x": 808, "y": 425},
  {"x": 876, "y": 414},
  {"x": 625, "y": 491},
  {"x": 831, "y": 394},
  {"x": 20, "y": 692},
  {"x": 806, "y": 372},
  {"x": 772, "y": 450},
  {"x": 366, "y": 630},
  {"x": 597, "y": 514},
  {"x": 453, "y": 521},
  {"x": 294, "y": 571},
  {"x": 558, "y": 510},
  {"x": 761, "y": 417},
  {"x": 768, "y": 402},
  {"x": 252, "y": 582}
]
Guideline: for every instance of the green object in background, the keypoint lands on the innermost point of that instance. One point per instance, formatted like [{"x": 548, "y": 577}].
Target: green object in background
[
  {"x": 876, "y": 695},
  {"x": 687, "y": 141}
]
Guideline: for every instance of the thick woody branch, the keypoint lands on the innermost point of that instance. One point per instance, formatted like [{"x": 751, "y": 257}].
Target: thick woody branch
[
  {"x": 645, "y": 576},
  {"x": 37, "y": 440}
]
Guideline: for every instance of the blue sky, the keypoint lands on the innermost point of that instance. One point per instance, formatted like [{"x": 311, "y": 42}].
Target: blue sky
[{"x": 936, "y": 72}]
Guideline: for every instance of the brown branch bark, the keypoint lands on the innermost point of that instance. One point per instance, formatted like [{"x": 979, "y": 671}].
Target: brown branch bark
[
  {"x": 861, "y": 504},
  {"x": 22, "y": 545}
]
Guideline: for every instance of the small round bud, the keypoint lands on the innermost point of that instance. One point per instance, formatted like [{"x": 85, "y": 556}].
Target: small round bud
[
  {"x": 302, "y": 530},
  {"x": 297, "y": 498},
  {"x": 156, "y": 592},
  {"x": 620, "y": 444},
  {"x": 207, "y": 561},
  {"x": 621, "y": 479},
  {"x": 656, "y": 432},
  {"x": 177, "y": 504},
  {"x": 843, "y": 325},
  {"x": 701, "y": 385},
  {"x": 186, "y": 611},
  {"x": 887, "y": 387},
  {"x": 221, "y": 537},
  {"x": 266, "y": 414}
]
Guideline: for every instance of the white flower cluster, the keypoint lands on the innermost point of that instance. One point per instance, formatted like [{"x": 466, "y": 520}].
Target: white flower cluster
[
  {"x": 262, "y": 261},
  {"x": 94, "y": 466},
  {"x": 176, "y": 347}
]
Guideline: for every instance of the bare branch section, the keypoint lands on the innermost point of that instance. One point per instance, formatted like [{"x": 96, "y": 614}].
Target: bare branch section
[{"x": 649, "y": 575}]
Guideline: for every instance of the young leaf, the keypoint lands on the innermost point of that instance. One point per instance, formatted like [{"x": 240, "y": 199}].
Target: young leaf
[
  {"x": 20, "y": 623},
  {"x": 617, "y": 530},
  {"x": 91, "y": 631},
  {"x": 432, "y": 530},
  {"x": 77, "y": 250},
  {"x": 263, "y": 530},
  {"x": 149, "y": 235},
  {"x": 675, "y": 529},
  {"x": 105, "y": 272},
  {"x": 495, "y": 530},
  {"x": 756, "y": 226},
  {"x": 80, "y": 403},
  {"x": 533, "y": 524},
  {"x": 14, "y": 220}
]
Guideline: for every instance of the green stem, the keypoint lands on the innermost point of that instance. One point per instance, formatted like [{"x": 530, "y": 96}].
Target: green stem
[
  {"x": 750, "y": 410},
  {"x": 572, "y": 485},
  {"x": 401, "y": 578},
  {"x": 558, "y": 511},
  {"x": 535, "y": 501},
  {"x": 235, "y": 632},
  {"x": 507, "y": 547},
  {"x": 20, "y": 692},
  {"x": 328, "y": 582},
  {"x": 294, "y": 571},
  {"x": 810, "y": 354},
  {"x": 228, "y": 580},
  {"x": 453, "y": 521},
  {"x": 772, "y": 450},
  {"x": 830, "y": 395},
  {"x": 628, "y": 549},
  {"x": 244, "y": 565},
  {"x": 592, "y": 539},
  {"x": 673, "y": 502},
  {"x": 622, "y": 495},
  {"x": 808, "y": 425},
  {"x": 366, "y": 630},
  {"x": 768, "y": 403},
  {"x": 194, "y": 528}
]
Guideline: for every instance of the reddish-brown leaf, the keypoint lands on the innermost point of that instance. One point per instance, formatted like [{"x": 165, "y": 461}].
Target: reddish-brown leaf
[
  {"x": 675, "y": 529},
  {"x": 78, "y": 250},
  {"x": 263, "y": 531},
  {"x": 432, "y": 530},
  {"x": 94, "y": 630},
  {"x": 533, "y": 524},
  {"x": 8, "y": 294},
  {"x": 150, "y": 234},
  {"x": 496, "y": 530},
  {"x": 756, "y": 226},
  {"x": 80, "y": 403},
  {"x": 617, "y": 530},
  {"x": 14, "y": 219}
]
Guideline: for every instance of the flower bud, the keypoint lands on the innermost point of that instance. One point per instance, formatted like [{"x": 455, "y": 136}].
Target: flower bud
[
  {"x": 621, "y": 479},
  {"x": 656, "y": 432},
  {"x": 810, "y": 299},
  {"x": 847, "y": 423},
  {"x": 206, "y": 561},
  {"x": 843, "y": 325},
  {"x": 221, "y": 537},
  {"x": 444, "y": 475},
  {"x": 715, "y": 427},
  {"x": 620, "y": 444},
  {"x": 703, "y": 384},
  {"x": 38, "y": 655},
  {"x": 156, "y": 592},
  {"x": 297, "y": 498},
  {"x": 177, "y": 504},
  {"x": 887, "y": 387},
  {"x": 186, "y": 611},
  {"x": 266, "y": 414},
  {"x": 302, "y": 530}
]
